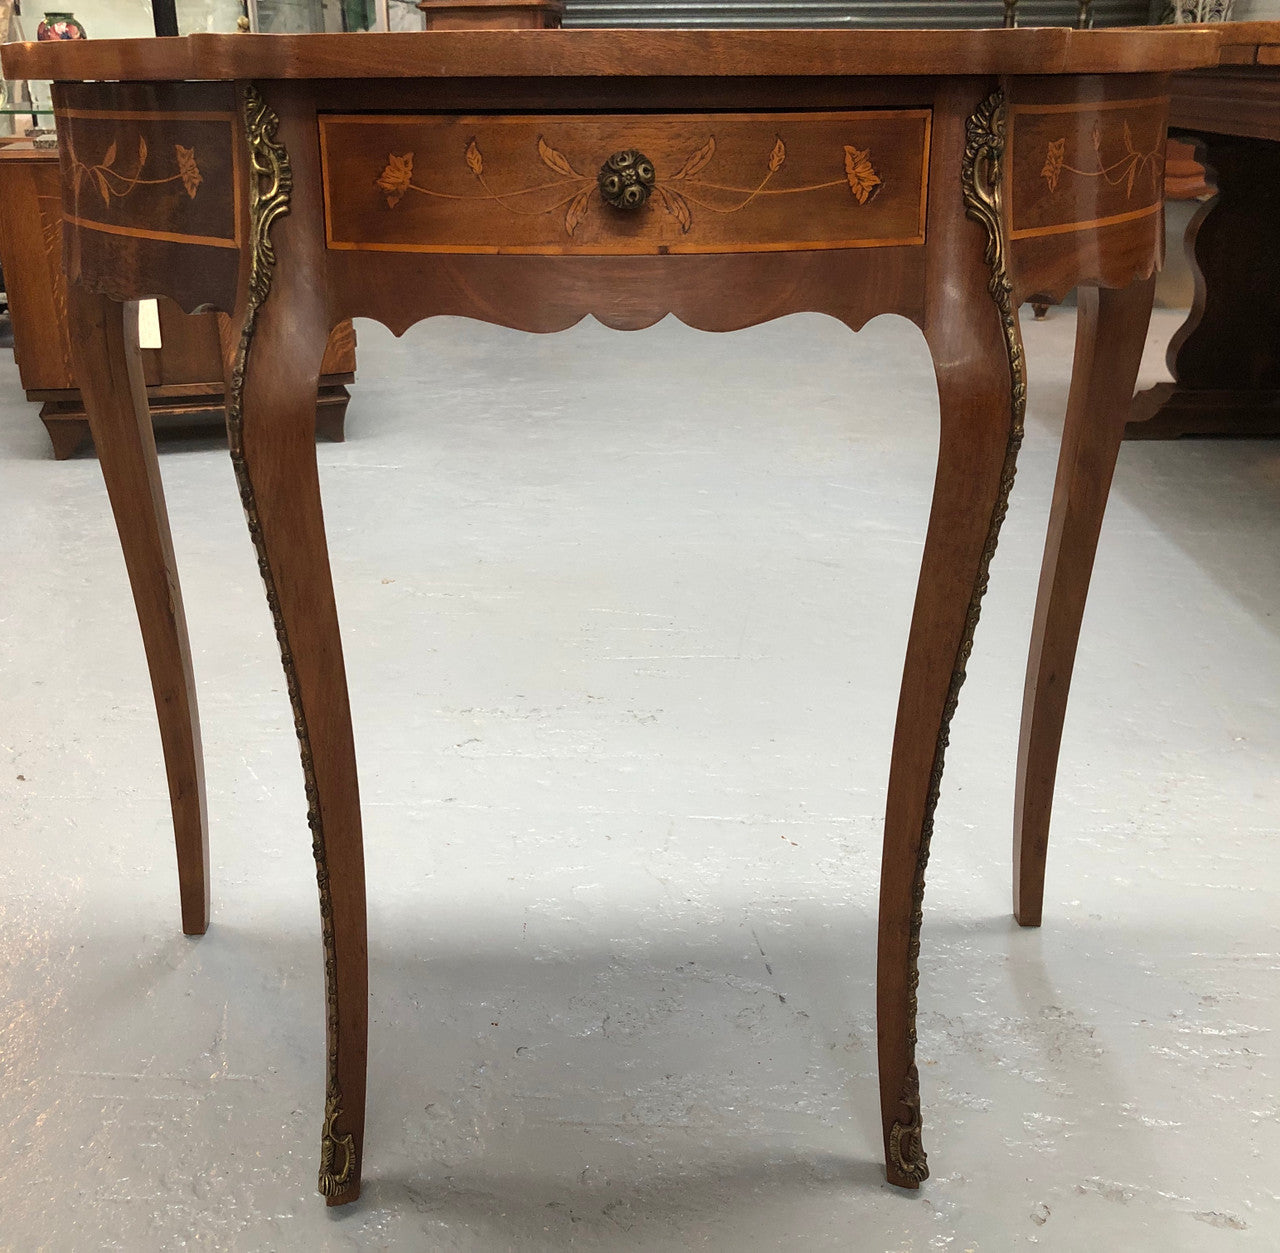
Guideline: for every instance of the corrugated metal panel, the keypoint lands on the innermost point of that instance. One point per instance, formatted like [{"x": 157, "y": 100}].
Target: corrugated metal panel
[{"x": 837, "y": 13}]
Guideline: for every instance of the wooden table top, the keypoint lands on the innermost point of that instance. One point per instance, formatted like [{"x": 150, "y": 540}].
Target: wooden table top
[
  {"x": 620, "y": 53},
  {"x": 1239, "y": 96}
]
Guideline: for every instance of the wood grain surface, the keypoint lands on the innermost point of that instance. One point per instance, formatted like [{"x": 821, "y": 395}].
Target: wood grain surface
[
  {"x": 548, "y": 54},
  {"x": 1227, "y": 101},
  {"x": 104, "y": 346}
]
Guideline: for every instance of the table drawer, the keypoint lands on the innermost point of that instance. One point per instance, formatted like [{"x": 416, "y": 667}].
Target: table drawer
[{"x": 723, "y": 182}]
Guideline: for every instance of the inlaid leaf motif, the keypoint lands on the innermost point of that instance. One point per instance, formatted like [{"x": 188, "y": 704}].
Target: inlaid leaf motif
[
  {"x": 777, "y": 156},
  {"x": 474, "y": 160},
  {"x": 676, "y": 205},
  {"x": 112, "y": 182},
  {"x": 863, "y": 180},
  {"x": 1122, "y": 172},
  {"x": 188, "y": 170},
  {"x": 395, "y": 179},
  {"x": 697, "y": 161},
  {"x": 577, "y": 210},
  {"x": 556, "y": 160},
  {"x": 1053, "y": 163}
]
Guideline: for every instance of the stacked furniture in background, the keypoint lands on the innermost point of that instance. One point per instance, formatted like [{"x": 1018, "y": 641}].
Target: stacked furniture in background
[
  {"x": 184, "y": 377},
  {"x": 1225, "y": 359}
]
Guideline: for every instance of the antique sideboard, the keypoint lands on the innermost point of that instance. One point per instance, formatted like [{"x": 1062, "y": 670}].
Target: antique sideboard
[
  {"x": 530, "y": 178},
  {"x": 1225, "y": 359}
]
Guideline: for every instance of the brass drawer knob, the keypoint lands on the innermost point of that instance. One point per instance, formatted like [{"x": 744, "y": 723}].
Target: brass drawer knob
[{"x": 626, "y": 179}]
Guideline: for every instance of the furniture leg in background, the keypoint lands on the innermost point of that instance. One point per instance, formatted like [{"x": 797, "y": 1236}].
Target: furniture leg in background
[
  {"x": 104, "y": 348},
  {"x": 1111, "y": 328}
]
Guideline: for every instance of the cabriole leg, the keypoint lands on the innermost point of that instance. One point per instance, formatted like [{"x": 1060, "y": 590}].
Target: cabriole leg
[
  {"x": 108, "y": 367},
  {"x": 271, "y": 417},
  {"x": 1111, "y": 327},
  {"x": 977, "y": 354}
]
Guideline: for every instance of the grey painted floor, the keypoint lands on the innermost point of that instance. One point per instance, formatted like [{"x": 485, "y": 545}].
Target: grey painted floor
[{"x": 624, "y": 620}]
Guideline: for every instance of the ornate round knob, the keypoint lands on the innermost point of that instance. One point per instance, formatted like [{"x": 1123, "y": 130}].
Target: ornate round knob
[{"x": 626, "y": 179}]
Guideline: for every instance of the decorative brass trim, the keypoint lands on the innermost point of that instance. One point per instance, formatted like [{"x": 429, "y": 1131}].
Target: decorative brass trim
[
  {"x": 270, "y": 187},
  {"x": 906, "y": 1149},
  {"x": 333, "y": 1182},
  {"x": 981, "y": 175}
]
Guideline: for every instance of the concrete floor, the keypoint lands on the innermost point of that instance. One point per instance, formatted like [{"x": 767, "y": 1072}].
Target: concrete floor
[{"x": 624, "y": 620}]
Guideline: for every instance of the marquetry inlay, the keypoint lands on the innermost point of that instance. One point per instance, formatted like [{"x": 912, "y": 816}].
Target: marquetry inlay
[
  {"x": 1078, "y": 166},
  {"x": 166, "y": 176},
  {"x": 713, "y": 183}
]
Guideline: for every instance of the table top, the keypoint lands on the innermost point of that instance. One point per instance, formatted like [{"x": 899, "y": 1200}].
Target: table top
[
  {"x": 1240, "y": 96},
  {"x": 620, "y": 53}
]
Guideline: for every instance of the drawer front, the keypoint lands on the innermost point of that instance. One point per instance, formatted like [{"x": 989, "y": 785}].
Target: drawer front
[
  {"x": 1079, "y": 166},
  {"x": 715, "y": 182}
]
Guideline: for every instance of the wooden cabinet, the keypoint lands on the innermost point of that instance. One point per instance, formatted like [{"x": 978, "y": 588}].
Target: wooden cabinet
[{"x": 184, "y": 376}]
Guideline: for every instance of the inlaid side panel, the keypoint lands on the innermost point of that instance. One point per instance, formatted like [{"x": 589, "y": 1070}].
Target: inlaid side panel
[
  {"x": 152, "y": 189},
  {"x": 704, "y": 183},
  {"x": 1075, "y": 167},
  {"x": 168, "y": 176}
]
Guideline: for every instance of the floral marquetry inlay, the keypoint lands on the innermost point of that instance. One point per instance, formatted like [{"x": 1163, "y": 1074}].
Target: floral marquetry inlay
[
  {"x": 111, "y": 181},
  {"x": 863, "y": 180},
  {"x": 625, "y": 184},
  {"x": 1082, "y": 165},
  {"x": 169, "y": 177},
  {"x": 1124, "y": 169},
  {"x": 574, "y": 190}
]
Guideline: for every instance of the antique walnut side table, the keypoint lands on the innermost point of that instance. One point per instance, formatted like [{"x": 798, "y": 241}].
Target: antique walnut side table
[{"x": 531, "y": 178}]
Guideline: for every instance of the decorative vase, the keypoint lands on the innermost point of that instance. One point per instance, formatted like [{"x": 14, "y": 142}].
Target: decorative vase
[{"x": 60, "y": 26}]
